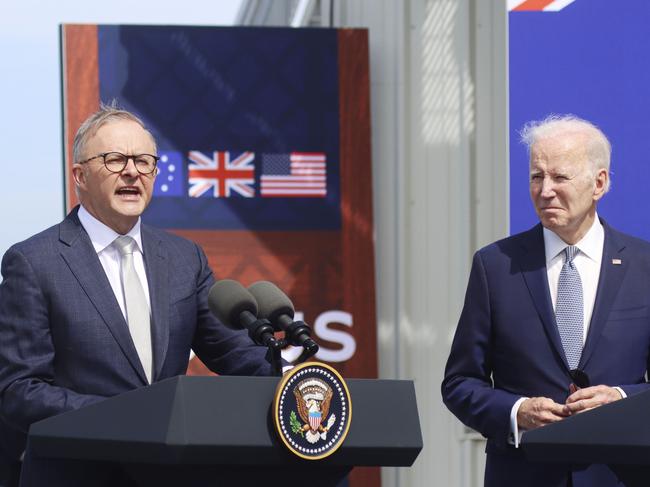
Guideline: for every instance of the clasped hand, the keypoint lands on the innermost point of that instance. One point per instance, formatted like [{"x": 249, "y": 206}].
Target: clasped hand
[{"x": 539, "y": 411}]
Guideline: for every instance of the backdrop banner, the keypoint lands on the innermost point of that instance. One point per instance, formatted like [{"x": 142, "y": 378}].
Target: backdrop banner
[
  {"x": 588, "y": 58},
  {"x": 264, "y": 138}
]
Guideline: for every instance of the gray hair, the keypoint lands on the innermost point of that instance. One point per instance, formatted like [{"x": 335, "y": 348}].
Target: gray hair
[
  {"x": 106, "y": 113},
  {"x": 599, "y": 149}
]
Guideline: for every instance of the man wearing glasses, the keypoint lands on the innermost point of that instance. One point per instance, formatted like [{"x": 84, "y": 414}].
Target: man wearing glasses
[
  {"x": 101, "y": 304},
  {"x": 555, "y": 320}
]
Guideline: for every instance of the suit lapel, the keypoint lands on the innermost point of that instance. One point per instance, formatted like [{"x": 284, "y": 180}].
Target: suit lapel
[
  {"x": 609, "y": 282},
  {"x": 533, "y": 267},
  {"x": 81, "y": 258},
  {"x": 157, "y": 267}
]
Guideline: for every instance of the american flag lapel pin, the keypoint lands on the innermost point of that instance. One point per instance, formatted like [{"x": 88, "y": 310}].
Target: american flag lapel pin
[{"x": 617, "y": 261}]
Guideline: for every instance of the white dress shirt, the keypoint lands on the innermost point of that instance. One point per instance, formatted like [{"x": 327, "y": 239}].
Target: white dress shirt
[
  {"x": 588, "y": 262},
  {"x": 102, "y": 238}
]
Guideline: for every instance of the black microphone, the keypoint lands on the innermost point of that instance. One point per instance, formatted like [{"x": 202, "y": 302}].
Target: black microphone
[
  {"x": 276, "y": 307},
  {"x": 236, "y": 308}
]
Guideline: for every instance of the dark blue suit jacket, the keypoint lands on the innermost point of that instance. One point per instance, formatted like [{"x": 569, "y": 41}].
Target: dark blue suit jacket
[
  {"x": 65, "y": 342},
  {"x": 507, "y": 346}
]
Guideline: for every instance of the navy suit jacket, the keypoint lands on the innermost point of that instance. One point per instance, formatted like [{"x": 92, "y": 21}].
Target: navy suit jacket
[
  {"x": 507, "y": 346},
  {"x": 65, "y": 342}
]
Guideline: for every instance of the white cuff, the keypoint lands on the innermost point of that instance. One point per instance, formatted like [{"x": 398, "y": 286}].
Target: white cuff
[
  {"x": 515, "y": 435},
  {"x": 621, "y": 392}
]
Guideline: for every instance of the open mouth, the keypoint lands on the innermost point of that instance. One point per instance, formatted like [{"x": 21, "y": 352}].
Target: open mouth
[{"x": 128, "y": 191}]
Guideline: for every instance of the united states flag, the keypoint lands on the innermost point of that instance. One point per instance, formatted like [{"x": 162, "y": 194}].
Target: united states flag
[
  {"x": 223, "y": 175},
  {"x": 297, "y": 174}
]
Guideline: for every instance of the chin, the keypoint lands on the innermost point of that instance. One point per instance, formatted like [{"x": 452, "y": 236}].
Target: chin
[
  {"x": 552, "y": 223},
  {"x": 130, "y": 210}
]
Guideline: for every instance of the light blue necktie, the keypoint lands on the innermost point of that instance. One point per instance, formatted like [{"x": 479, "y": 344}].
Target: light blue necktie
[{"x": 569, "y": 308}]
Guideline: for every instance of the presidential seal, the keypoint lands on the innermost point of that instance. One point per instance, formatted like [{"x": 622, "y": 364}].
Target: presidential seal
[{"x": 312, "y": 410}]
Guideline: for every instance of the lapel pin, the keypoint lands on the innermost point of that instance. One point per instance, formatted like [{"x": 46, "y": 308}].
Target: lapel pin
[{"x": 617, "y": 261}]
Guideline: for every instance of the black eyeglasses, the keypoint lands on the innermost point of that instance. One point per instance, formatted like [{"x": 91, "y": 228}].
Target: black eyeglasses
[{"x": 116, "y": 161}]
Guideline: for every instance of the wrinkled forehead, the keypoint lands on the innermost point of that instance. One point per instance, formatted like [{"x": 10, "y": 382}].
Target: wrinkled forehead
[
  {"x": 122, "y": 136},
  {"x": 568, "y": 149}
]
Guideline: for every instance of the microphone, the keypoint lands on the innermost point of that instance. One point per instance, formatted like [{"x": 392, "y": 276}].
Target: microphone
[
  {"x": 276, "y": 307},
  {"x": 236, "y": 308}
]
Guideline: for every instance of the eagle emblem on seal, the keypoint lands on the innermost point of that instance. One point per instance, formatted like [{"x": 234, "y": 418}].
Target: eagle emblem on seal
[{"x": 313, "y": 397}]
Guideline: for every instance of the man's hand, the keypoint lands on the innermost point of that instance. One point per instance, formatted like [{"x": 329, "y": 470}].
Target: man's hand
[
  {"x": 539, "y": 411},
  {"x": 591, "y": 397}
]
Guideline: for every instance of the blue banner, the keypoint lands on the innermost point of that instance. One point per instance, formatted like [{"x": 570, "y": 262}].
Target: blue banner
[
  {"x": 590, "y": 59},
  {"x": 220, "y": 102}
]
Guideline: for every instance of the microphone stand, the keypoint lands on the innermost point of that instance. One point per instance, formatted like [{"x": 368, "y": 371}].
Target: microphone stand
[
  {"x": 297, "y": 333},
  {"x": 274, "y": 356},
  {"x": 261, "y": 332}
]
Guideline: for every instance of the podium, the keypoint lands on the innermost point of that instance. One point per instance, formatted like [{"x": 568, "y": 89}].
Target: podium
[
  {"x": 617, "y": 434},
  {"x": 192, "y": 430}
]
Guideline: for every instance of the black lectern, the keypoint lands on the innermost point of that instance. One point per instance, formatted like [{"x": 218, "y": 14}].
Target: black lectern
[
  {"x": 617, "y": 434},
  {"x": 194, "y": 430}
]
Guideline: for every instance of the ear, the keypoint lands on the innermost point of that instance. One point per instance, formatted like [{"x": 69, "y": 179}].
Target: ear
[
  {"x": 79, "y": 175},
  {"x": 602, "y": 182}
]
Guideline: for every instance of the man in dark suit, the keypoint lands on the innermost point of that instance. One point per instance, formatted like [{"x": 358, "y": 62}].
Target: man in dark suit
[
  {"x": 101, "y": 304},
  {"x": 555, "y": 319}
]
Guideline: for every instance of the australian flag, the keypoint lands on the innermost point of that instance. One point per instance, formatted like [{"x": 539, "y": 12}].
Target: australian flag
[{"x": 170, "y": 180}]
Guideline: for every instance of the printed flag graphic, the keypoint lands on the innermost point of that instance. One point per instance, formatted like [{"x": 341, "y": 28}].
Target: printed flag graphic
[
  {"x": 169, "y": 181},
  {"x": 220, "y": 176},
  {"x": 298, "y": 174}
]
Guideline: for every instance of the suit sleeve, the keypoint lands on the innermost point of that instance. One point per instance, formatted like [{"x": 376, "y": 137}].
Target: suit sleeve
[
  {"x": 467, "y": 388},
  {"x": 27, "y": 355},
  {"x": 221, "y": 349}
]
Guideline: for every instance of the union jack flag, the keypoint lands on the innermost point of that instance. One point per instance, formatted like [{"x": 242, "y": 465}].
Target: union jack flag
[
  {"x": 222, "y": 175},
  {"x": 297, "y": 174}
]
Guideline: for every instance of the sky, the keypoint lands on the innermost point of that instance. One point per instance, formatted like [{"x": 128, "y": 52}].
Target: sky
[{"x": 31, "y": 160}]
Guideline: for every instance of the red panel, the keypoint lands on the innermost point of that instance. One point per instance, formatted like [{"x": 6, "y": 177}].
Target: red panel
[
  {"x": 81, "y": 90},
  {"x": 358, "y": 255}
]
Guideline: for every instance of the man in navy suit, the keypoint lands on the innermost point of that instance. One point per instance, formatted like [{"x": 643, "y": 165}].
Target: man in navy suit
[
  {"x": 72, "y": 332},
  {"x": 555, "y": 319}
]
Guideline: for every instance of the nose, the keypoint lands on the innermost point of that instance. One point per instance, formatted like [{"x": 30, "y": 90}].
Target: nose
[
  {"x": 548, "y": 188},
  {"x": 130, "y": 169}
]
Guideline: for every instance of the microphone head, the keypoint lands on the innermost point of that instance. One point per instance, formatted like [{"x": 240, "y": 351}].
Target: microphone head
[
  {"x": 228, "y": 299},
  {"x": 272, "y": 302}
]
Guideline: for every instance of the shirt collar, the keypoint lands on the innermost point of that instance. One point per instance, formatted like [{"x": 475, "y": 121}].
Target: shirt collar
[
  {"x": 101, "y": 235},
  {"x": 591, "y": 244}
]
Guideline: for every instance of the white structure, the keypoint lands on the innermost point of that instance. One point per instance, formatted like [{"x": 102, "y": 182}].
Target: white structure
[{"x": 440, "y": 166}]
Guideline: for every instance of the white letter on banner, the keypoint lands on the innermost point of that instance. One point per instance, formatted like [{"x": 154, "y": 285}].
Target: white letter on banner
[{"x": 345, "y": 339}]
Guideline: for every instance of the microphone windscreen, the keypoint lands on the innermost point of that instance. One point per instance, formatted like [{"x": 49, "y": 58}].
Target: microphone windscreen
[
  {"x": 272, "y": 302},
  {"x": 228, "y": 300}
]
